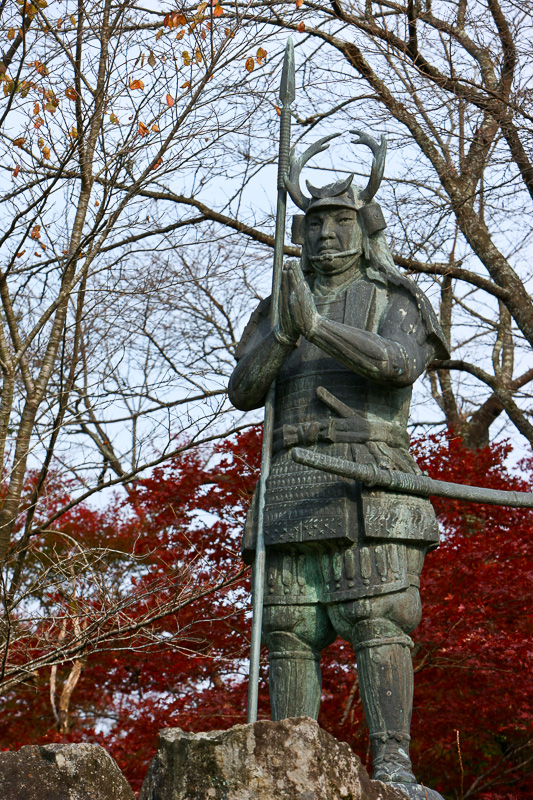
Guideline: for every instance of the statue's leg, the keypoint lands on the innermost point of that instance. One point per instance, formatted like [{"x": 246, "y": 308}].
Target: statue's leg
[
  {"x": 385, "y": 674},
  {"x": 377, "y": 628},
  {"x": 295, "y": 636}
]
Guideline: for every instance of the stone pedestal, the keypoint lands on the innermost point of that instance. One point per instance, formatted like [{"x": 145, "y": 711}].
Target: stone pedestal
[
  {"x": 289, "y": 760},
  {"x": 62, "y": 772}
]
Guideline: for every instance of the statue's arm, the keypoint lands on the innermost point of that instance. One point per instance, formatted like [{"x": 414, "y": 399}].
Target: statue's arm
[
  {"x": 398, "y": 354},
  {"x": 254, "y": 373},
  {"x": 260, "y": 356}
]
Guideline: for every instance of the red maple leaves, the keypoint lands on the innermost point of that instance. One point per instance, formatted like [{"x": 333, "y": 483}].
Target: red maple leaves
[{"x": 473, "y": 684}]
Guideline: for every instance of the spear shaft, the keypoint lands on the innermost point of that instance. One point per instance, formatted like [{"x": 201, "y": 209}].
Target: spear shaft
[{"x": 286, "y": 96}]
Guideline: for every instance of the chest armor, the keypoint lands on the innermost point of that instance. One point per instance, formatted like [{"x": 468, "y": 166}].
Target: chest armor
[{"x": 308, "y": 368}]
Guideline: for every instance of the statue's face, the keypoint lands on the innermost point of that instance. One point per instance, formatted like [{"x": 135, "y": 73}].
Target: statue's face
[{"x": 332, "y": 230}]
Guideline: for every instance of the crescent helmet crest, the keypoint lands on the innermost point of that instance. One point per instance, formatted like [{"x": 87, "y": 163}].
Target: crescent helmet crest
[{"x": 341, "y": 192}]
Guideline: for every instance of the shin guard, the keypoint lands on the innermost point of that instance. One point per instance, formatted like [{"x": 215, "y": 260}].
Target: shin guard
[
  {"x": 386, "y": 681},
  {"x": 295, "y": 684}
]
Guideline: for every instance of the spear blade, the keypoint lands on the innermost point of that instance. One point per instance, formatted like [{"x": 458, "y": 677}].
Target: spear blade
[{"x": 287, "y": 89}]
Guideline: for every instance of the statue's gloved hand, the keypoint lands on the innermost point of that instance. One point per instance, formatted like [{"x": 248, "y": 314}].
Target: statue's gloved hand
[
  {"x": 286, "y": 331},
  {"x": 301, "y": 302}
]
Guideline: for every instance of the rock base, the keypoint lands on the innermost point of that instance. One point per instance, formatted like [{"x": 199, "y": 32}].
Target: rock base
[
  {"x": 62, "y": 772},
  {"x": 289, "y": 760}
]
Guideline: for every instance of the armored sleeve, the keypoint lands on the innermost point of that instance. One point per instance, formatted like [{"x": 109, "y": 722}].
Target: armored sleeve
[
  {"x": 259, "y": 357},
  {"x": 396, "y": 353}
]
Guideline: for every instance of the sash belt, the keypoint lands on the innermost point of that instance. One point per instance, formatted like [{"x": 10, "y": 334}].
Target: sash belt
[{"x": 335, "y": 431}]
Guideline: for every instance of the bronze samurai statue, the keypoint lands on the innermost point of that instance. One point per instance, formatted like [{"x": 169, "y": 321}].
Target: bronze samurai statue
[{"x": 342, "y": 559}]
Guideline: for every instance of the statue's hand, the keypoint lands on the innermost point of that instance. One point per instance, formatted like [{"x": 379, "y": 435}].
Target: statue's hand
[
  {"x": 286, "y": 332},
  {"x": 301, "y": 302}
]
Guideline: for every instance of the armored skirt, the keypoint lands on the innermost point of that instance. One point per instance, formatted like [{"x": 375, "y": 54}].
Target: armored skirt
[{"x": 331, "y": 540}]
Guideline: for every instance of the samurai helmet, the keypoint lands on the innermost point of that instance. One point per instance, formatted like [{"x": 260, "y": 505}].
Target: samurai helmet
[{"x": 341, "y": 194}]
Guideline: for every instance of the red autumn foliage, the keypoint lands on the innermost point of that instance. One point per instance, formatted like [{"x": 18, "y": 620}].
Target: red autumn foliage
[
  {"x": 471, "y": 730},
  {"x": 473, "y": 686}
]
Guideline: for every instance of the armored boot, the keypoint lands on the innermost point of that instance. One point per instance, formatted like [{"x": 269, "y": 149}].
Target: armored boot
[
  {"x": 391, "y": 762},
  {"x": 295, "y": 683},
  {"x": 386, "y": 682}
]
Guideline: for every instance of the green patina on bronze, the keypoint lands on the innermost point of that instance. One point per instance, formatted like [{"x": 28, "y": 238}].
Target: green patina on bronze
[{"x": 352, "y": 337}]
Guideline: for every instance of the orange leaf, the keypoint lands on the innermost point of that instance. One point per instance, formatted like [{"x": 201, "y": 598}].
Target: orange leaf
[
  {"x": 174, "y": 19},
  {"x": 186, "y": 58},
  {"x": 261, "y": 55},
  {"x": 180, "y": 35},
  {"x": 38, "y": 121},
  {"x": 36, "y": 232},
  {"x": 299, "y": 3},
  {"x": 301, "y": 27},
  {"x": 170, "y": 101},
  {"x": 19, "y": 142},
  {"x": 136, "y": 84},
  {"x": 157, "y": 163},
  {"x": 46, "y": 152},
  {"x": 21, "y": 253},
  {"x": 155, "y": 128},
  {"x": 16, "y": 171},
  {"x": 278, "y": 110},
  {"x": 71, "y": 93},
  {"x": 36, "y": 108},
  {"x": 186, "y": 85},
  {"x": 218, "y": 11},
  {"x": 143, "y": 129},
  {"x": 11, "y": 34},
  {"x": 250, "y": 63}
]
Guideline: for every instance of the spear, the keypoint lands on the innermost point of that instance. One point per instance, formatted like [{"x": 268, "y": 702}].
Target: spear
[{"x": 286, "y": 96}]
